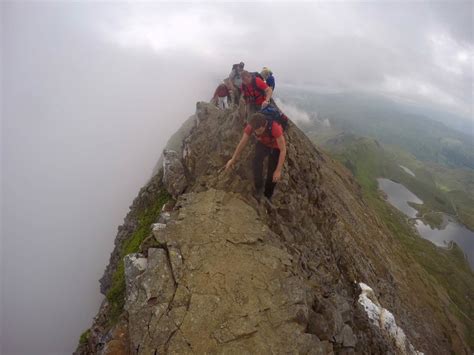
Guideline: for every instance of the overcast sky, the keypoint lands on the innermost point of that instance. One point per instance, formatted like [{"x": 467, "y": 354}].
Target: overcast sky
[
  {"x": 421, "y": 50},
  {"x": 91, "y": 92}
]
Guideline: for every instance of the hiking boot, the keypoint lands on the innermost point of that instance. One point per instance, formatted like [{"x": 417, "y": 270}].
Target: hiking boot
[
  {"x": 267, "y": 202},
  {"x": 258, "y": 195}
]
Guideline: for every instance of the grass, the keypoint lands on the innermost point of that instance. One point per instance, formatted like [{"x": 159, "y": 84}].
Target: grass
[
  {"x": 464, "y": 204},
  {"x": 455, "y": 185},
  {"x": 442, "y": 189},
  {"x": 146, "y": 216},
  {"x": 446, "y": 268},
  {"x": 84, "y": 337}
]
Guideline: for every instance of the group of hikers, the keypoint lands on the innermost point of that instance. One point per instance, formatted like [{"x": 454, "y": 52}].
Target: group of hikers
[
  {"x": 230, "y": 90},
  {"x": 263, "y": 120}
]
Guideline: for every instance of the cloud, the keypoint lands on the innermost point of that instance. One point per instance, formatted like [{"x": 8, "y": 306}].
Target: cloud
[
  {"x": 339, "y": 46},
  {"x": 197, "y": 30},
  {"x": 296, "y": 114}
]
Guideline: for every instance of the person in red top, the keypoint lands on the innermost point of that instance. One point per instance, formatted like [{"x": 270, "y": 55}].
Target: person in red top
[
  {"x": 256, "y": 93},
  {"x": 270, "y": 142},
  {"x": 221, "y": 95}
]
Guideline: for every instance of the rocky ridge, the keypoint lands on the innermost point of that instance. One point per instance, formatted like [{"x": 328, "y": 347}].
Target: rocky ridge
[{"x": 221, "y": 273}]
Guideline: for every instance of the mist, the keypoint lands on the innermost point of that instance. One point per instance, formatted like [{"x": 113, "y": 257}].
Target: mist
[
  {"x": 92, "y": 91},
  {"x": 84, "y": 124}
]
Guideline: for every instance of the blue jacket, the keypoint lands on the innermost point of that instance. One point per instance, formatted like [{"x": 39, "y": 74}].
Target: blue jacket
[{"x": 271, "y": 81}]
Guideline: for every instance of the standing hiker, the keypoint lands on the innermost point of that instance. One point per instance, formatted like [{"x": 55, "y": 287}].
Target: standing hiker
[
  {"x": 267, "y": 75},
  {"x": 270, "y": 143},
  {"x": 257, "y": 94},
  {"x": 220, "y": 96},
  {"x": 235, "y": 81}
]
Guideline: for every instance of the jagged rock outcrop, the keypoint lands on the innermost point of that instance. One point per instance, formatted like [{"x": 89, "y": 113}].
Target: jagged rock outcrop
[
  {"x": 384, "y": 319},
  {"x": 145, "y": 199},
  {"x": 174, "y": 174},
  {"x": 221, "y": 273},
  {"x": 175, "y": 142}
]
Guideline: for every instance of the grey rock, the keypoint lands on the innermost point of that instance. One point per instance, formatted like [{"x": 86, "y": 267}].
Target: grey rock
[
  {"x": 174, "y": 177},
  {"x": 346, "y": 337},
  {"x": 158, "y": 226},
  {"x": 319, "y": 326},
  {"x": 152, "y": 291},
  {"x": 165, "y": 217},
  {"x": 135, "y": 265}
]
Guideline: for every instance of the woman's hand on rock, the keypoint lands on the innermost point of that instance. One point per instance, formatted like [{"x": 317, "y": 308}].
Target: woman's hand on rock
[{"x": 230, "y": 164}]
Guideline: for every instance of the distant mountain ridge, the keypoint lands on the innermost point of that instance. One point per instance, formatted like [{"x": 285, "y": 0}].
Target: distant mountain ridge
[{"x": 418, "y": 130}]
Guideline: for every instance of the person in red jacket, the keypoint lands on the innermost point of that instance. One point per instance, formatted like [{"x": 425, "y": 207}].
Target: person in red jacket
[
  {"x": 256, "y": 93},
  {"x": 270, "y": 143},
  {"x": 221, "y": 96}
]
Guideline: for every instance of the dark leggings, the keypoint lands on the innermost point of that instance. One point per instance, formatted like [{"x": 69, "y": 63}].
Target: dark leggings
[{"x": 261, "y": 152}]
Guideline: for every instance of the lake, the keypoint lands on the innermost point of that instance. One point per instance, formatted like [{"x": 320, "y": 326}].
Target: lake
[{"x": 399, "y": 196}]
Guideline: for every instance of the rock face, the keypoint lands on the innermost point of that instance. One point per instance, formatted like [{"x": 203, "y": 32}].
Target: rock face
[
  {"x": 221, "y": 281},
  {"x": 174, "y": 177},
  {"x": 146, "y": 198},
  {"x": 221, "y": 273},
  {"x": 384, "y": 319}
]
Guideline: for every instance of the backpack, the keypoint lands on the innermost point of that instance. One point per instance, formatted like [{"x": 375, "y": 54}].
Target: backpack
[
  {"x": 257, "y": 75},
  {"x": 273, "y": 114},
  {"x": 256, "y": 89}
]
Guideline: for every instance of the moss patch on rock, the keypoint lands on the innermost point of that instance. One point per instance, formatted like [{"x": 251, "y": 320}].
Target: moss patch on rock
[
  {"x": 147, "y": 216},
  {"x": 84, "y": 337}
]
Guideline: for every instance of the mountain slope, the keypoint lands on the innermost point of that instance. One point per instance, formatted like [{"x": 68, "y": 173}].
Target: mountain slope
[
  {"x": 369, "y": 160},
  {"x": 227, "y": 274},
  {"x": 416, "y": 130}
]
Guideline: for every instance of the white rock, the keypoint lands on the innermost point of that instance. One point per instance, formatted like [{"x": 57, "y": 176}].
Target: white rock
[
  {"x": 164, "y": 217},
  {"x": 385, "y": 320},
  {"x": 137, "y": 260},
  {"x": 158, "y": 226}
]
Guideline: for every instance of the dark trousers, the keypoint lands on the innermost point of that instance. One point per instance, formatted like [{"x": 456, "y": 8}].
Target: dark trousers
[{"x": 261, "y": 152}]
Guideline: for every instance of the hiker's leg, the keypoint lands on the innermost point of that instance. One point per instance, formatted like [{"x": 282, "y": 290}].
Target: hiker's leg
[
  {"x": 236, "y": 95},
  {"x": 272, "y": 164},
  {"x": 223, "y": 102},
  {"x": 260, "y": 153}
]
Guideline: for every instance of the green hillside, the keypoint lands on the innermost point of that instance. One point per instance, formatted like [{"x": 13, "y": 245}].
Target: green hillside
[
  {"x": 367, "y": 159},
  {"x": 392, "y": 124}
]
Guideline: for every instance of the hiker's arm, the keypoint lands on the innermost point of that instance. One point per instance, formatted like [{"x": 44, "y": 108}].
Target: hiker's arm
[
  {"x": 268, "y": 96},
  {"x": 240, "y": 147},
  {"x": 243, "y": 142},
  {"x": 281, "y": 159}
]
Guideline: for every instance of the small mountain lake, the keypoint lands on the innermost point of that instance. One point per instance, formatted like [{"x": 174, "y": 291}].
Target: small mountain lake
[{"x": 399, "y": 196}]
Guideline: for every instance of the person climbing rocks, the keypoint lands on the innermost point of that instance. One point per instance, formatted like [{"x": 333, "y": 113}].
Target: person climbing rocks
[
  {"x": 270, "y": 143},
  {"x": 221, "y": 96},
  {"x": 267, "y": 75},
  {"x": 257, "y": 94},
  {"x": 235, "y": 81}
]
